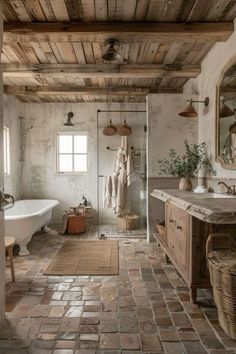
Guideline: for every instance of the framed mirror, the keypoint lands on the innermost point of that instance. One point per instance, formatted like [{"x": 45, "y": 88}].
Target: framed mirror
[{"x": 226, "y": 119}]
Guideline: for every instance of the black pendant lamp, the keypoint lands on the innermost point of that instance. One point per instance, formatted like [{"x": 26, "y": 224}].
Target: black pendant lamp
[
  {"x": 69, "y": 123},
  {"x": 111, "y": 53}
]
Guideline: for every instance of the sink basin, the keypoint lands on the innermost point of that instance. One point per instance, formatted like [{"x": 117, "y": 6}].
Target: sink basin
[{"x": 216, "y": 196}]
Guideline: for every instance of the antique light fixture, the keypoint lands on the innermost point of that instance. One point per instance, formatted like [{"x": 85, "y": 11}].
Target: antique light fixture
[
  {"x": 69, "y": 123},
  {"x": 189, "y": 111},
  {"x": 111, "y": 53}
]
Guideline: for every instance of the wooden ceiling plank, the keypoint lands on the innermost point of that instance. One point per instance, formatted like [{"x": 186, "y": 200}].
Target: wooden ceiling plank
[
  {"x": 48, "y": 53},
  {"x": 39, "y": 52},
  {"x": 20, "y": 10},
  {"x": 97, "y": 52},
  {"x": 155, "y": 10},
  {"x": 133, "y": 53},
  {"x": 74, "y": 9},
  {"x": 56, "y": 52},
  {"x": 60, "y": 10},
  {"x": 230, "y": 12},
  {"x": 200, "y": 10},
  {"x": 4, "y": 58},
  {"x": 169, "y": 10},
  {"x": 29, "y": 52},
  {"x": 88, "y": 10},
  {"x": 184, "y": 10},
  {"x": 67, "y": 52},
  {"x": 172, "y": 53},
  {"x": 79, "y": 52},
  {"x": 98, "y": 70},
  {"x": 48, "y": 11},
  {"x": 8, "y": 11},
  {"x": 217, "y": 10},
  {"x": 35, "y": 10},
  {"x": 128, "y": 10},
  {"x": 124, "y": 32},
  {"x": 141, "y": 10},
  {"x": 161, "y": 53},
  {"x": 150, "y": 53},
  {"x": 101, "y": 8},
  {"x": 10, "y": 54},
  {"x": 88, "y": 53}
]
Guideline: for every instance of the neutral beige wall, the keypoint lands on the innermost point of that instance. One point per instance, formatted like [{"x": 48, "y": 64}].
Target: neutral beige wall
[
  {"x": 2, "y": 248},
  {"x": 205, "y": 85}
]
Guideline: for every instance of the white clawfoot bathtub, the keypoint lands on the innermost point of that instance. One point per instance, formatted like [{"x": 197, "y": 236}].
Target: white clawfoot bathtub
[{"x": 25, "y": 218}]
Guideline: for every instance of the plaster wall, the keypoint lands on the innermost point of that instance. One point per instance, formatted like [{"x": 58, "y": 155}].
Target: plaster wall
[
  {"x": 39, "y": 176},
  {"x": 2, "y": 248},
  {"x": 205, "y": 86},
  {"x": 166, "y": 130},
  {"x": 12, "y": 110}
]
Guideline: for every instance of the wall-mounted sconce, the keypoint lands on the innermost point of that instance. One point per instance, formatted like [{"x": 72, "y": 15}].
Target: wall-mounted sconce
[
  {"x": 189, "y": 111},
  {"x": 69, "y": 123}
]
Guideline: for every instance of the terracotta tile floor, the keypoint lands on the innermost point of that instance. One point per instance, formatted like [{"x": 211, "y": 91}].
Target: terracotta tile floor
[{"x": 145, "y": 308}]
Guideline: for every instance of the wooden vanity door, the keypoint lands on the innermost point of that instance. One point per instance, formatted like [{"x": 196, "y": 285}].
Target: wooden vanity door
[{"x": 178, "y": 229}]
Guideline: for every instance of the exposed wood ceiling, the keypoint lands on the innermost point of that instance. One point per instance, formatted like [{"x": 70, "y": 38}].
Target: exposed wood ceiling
[{"x": 53, "y": 49}]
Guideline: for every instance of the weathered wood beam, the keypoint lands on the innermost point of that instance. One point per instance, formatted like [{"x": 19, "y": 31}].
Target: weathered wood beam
[
  {"x": 122, "y": 31},
  {"x": 89, "y": 91},
  {"x": 98, "y": 70}
]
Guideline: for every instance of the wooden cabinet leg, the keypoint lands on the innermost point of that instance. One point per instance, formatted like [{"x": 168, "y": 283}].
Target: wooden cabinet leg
[
  {"x": 10, "y": 253},
  {"x": 193, "y": 295}
]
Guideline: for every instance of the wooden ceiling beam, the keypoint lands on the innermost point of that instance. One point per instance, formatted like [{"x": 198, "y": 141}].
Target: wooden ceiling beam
[
  {"x": 122, "y": 31},
  {"x": 89, "y": 91},
  {"x": 99, "y": 70}
]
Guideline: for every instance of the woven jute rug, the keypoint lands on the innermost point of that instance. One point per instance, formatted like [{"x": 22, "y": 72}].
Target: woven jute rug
[{"x": 83, "y": 257}]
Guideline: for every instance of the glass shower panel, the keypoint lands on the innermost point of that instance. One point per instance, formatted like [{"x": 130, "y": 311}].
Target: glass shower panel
[{"x": 133, "y": 222}]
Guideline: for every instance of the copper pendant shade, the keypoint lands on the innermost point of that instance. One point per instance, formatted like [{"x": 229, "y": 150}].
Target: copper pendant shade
[
  {"x": 225, "y": 111},
  {"x": 232, "y": 128},
  {"x": 189, "y": 111},
  {"x": 111, "y": 53},
  {"x": 124, "y": 130},
  {"x": 109, "y": 129}
]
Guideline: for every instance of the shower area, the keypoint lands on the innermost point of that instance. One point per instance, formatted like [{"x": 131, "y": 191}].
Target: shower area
[{"x": 122, "y": 174}]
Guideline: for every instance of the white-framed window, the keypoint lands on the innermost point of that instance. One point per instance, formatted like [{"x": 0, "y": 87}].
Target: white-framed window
[
  {"x": 72, "y": 152},
  {"x": 6, "y": 150}
]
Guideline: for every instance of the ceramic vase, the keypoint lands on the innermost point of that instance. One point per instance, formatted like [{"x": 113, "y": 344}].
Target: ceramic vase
[{"x": 185, "y": 184}]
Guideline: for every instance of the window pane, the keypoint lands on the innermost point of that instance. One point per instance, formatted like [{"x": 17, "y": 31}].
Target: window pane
[
  {"x": 65, "y": 163},
  {"x": 80, "y": 144},
  {"x": 80, "y": 163},
  {"x": 65, "y": 144}
]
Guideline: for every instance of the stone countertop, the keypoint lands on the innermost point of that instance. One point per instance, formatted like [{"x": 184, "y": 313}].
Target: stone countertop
[{"x": 201, "y": 205}]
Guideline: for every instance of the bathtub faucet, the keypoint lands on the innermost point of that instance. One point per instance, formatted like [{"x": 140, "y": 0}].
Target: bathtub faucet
[{"x": 4, "y": 200}]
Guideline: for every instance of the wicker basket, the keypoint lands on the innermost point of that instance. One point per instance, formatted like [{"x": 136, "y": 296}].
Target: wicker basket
[
  {"x": 128, "y": 222},
  {"x": 221, "y": 254}
]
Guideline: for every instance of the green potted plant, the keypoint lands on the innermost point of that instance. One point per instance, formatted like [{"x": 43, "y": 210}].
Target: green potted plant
[{"x": 186, "y": 166}]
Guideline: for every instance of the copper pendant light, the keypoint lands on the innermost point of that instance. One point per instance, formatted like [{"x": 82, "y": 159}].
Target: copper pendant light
[
  {"x": 232, "y": 128},
  {"x": 189, "y": 111},
  {"x": 109, "y": 129},
  {"x": 69, "y": 123},
  {"x": 225, "y": 111},
  {"x": 111, "y": 53},
  {"x": 124, "y": 130}
]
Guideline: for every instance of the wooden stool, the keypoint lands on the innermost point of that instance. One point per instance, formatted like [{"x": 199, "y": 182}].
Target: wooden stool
[{"x": 9, "y": 243}]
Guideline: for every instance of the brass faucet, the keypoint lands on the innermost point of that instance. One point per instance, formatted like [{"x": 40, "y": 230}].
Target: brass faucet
[
  {"x": 4, "y": 200},
  {"x": 230, "y": 189}
]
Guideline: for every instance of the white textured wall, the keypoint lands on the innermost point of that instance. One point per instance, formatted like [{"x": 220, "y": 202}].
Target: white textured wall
[
  {"x": 212, "y": 67},
  {"x": 12, "y": 109},
  {"x": 39, "y": 177},
  {"x": 2, "y": 248},
  {"x": 166, "y": 128}
]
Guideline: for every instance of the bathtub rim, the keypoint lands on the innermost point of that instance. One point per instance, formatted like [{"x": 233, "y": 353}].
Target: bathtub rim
[{"x": 54, "y": 202}]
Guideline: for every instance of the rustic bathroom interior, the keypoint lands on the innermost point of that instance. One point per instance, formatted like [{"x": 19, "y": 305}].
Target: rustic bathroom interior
[{"x": 118, "y": 177}]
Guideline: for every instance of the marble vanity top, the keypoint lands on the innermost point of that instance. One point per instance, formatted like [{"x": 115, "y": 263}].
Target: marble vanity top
[{"x": 204, "y": 206}]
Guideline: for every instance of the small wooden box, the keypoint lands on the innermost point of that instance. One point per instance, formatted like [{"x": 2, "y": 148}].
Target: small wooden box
[{"x": 76, "y": 224}]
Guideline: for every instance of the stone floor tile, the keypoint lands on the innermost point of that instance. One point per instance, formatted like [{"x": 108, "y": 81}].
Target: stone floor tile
[
  {"x": 181, "y": 319},
  {"x": 211, "y": 341},
  {"x": 89, "y": 321},
  {"x": 74, "y": 311},
  {"x": 110, "y": 341},
  {"x": 174, "y": 306},
  {"x": 194, "y": 347},
  {"x": 187, "y": 334},
  {"x": 57, "y": 311},
  {"x": 108, "y": 327},
  {"x": 65, "y": 344},
  {"x": 168, "y": 334},
  {"x": 150, "y": 342},
  {"x": 148, "y": 326},
  {"x": 129, "y": 341},
  {"x": 173, "y": 347},
  {"x": 128, "y": 324},
  {"x": 88, "y": 329},
  {"x": 63, "y": 351}
]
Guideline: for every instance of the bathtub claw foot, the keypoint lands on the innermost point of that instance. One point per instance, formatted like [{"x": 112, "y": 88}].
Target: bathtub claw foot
[
  {"x": 46, "y": 229},
  {"x": 23, "y": 250}
]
